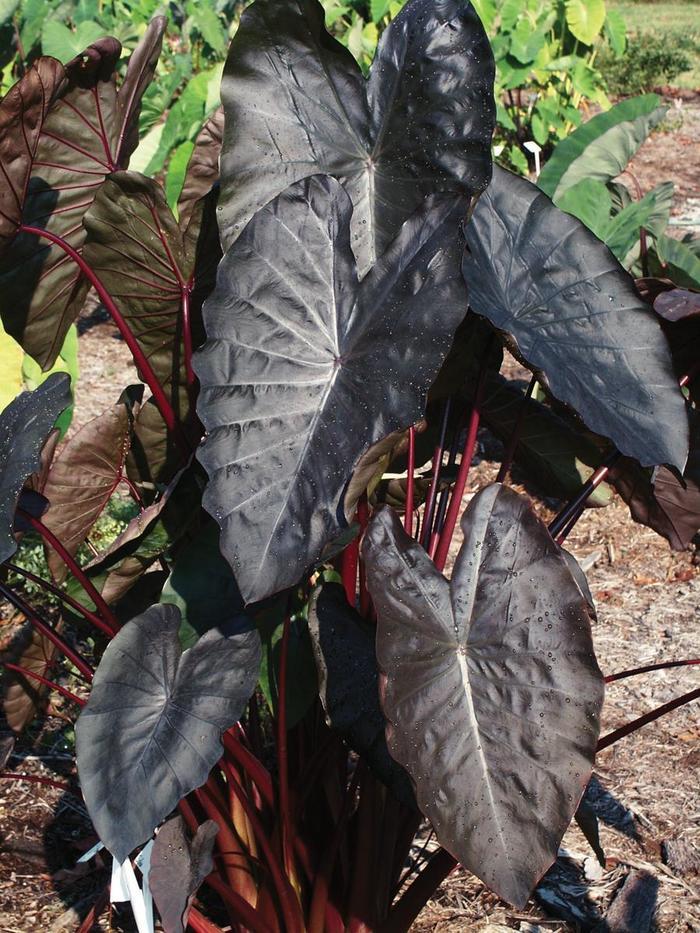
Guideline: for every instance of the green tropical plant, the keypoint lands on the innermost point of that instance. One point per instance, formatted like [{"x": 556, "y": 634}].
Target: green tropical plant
[{"x": 546, "y": 53}]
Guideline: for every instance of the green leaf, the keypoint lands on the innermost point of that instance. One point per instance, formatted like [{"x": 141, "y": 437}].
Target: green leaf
[
  {"x": 683, "y": 265},
  {"x": 33, "y": 14},
  {"x": 7, "y": 10},
  {"x": 616, "y": 31},
  {"x": 623, "y": 230},
  {"x": 602, "y": 147},
  {"x": 378, "y": 9},
  {"x": 585, "y": 19},
  {"x": 486, "y": 11},
  {"x": 11, "y": 356},
  {"x": 208, "y": 24},
  {"x": 177, "y": 170},
  {"x": 590, "y": 201},
  {"x": 63, "y": 43},
  {"x": 200, "y": 583},
  {"x": 67, "y": 362}
]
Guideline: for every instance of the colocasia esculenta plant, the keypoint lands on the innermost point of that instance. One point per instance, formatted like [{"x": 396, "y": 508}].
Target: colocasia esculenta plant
[{"x": 288, "y": 685}]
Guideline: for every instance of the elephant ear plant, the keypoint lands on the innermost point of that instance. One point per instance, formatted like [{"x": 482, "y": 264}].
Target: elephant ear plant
[{"x": 276, "y": 678}]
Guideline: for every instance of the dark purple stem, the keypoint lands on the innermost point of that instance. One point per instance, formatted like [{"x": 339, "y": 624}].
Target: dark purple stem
[
  {"x": 47, "y": 631},
  {"x": 64, "y": 597},
  {"x": 560, "y": 527},
  {"x": 43, "y": 680},
  {"x": 89, "y": 588},
  {"x": 464, "y": 466},
  {"x": 408, "y": 517},
  {"x": 509, "y": 454},
  {"x": 665, "y": 665},
  {"x": 431, "y": 499},
  {"x": 631, "y": 727}
]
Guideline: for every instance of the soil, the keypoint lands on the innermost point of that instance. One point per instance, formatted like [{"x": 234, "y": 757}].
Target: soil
[{"x": 645, "y": 789}]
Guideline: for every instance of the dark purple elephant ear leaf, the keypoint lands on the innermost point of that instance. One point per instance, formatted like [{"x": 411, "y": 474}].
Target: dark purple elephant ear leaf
[
  {"x": 178, "y": 868},
  {"x": 305, "y": 367},
  {"x": 539, "y": 275},
  {"x": 491, "y": 689},
  {"x": 297, "y": 104},
  {"x": 151, "y": 730},
  {"x": 24, "y": 426}
]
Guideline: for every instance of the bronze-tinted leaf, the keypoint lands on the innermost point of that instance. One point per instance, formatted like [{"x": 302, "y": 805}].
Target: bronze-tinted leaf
[
  {"x": 203, "y": 167},
  {"x": 22, "y": 113},
  {"x": 147, "y": 264},
  {"x": 23, "y": 698},
  {"x": 491, "y": 689},
  {"x": 87, "y": 132},
  {"x": 139, "y": 74},
  {"x": 83, "y": 478}
]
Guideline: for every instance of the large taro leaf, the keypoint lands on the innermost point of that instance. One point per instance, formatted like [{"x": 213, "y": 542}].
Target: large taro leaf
[
  {"x": 147, "y": 263},
  {"x": 541, "y": 276},
  {"x": 491, "y": 690},
  {"x": 296, "y": 104},
  {"x": 151, "y": 730},
  {"x": 84, "y": 476},
  {"x": 601, "y": 148},
  {"x": 343, "y": 644},
  {"x": 24, "y": 426},
  {"x": 87, "y": 134},
  {"x": 305, "y": 367},
  {"x": 178, "y": 867},
  {"x": 22, "y": 113}
]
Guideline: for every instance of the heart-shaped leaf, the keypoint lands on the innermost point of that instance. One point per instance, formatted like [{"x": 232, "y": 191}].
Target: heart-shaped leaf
[
  {"x": 297, "y": 104},
  {"x": 24, "y": 426},
  {"x": 348, "y": 675},
  {"x": 305, "y": 367},
  {"x": 86, "y": 134},
  {"x": 541, "y": 276},
  {"x": 147, "y": 263},
  {"x": 178, "y": 867},
  {"x": 151, "y": 730},
  {"x": 585, "y": 19},
  {"x": 491, "y": 690},
  {"x": 84, "y": 476}
]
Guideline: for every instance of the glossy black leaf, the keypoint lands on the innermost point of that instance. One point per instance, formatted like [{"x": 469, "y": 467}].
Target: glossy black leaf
[
  {"x": 151, "y": 730},
  {"x": 297, "y": 104},
  {"x": 178, "y": 867},
  {"x": 305, "y": 367},
  {"x": 542, "y": 277},
  {"x": 24, "y": 426},
  {"x": 491, "y": 690},
  {"x": 348, "y": 675}
]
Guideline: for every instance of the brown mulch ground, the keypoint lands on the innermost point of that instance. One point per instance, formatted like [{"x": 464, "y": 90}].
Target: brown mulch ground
[{"x": 645, "y": 791}]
